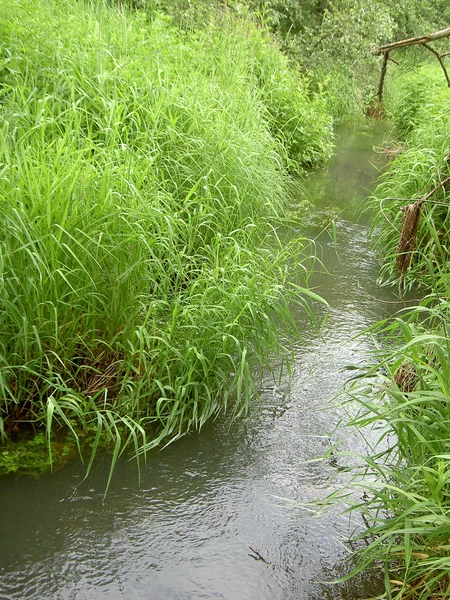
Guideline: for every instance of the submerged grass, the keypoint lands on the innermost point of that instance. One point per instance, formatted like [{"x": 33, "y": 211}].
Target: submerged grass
[{"x": 142, "y": 177}]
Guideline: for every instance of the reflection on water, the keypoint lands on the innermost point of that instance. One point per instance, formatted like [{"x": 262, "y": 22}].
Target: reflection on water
[{"x": 185, "y": 532}]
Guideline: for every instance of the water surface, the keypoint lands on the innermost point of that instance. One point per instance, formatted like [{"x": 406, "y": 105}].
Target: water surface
[{"x": 185, "y": 532}]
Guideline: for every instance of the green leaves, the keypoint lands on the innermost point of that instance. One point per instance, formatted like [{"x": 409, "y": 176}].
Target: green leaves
[{"x": 142, "y": 183}]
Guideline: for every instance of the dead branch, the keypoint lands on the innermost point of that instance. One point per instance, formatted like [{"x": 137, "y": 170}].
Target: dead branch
[
  {"x": 424, "y": 41},
  {"x": 382, "y": 76},
  {"x": 407, "y": 243},
  {"x": 258, "y": 556},
  {"x": 441, "y": 62}
]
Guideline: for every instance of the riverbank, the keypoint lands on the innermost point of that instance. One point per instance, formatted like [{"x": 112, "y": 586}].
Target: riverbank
[
  {"x": 184, "y": 530},
  {"x": 145, "y": 177},
  {"x": 145, "y": 170},
  {"x": 404, "y": 395}
]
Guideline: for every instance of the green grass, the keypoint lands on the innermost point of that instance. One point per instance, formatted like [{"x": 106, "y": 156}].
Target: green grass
[
  {"x": 143, "y": 174},
  {"x": 419, "y": 105},
  {"x": 402, "y": 485},
  {"x": 400, "y": 402}
]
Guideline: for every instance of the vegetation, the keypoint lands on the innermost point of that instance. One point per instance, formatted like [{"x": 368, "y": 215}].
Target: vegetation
[
  {"x": 31, "y": 457},
  {"x": 403, "y": 397},
  {"x": 145, "y": 164},
  {"x": 419, "y": 104},
  {"x": 329, "y": 39},
  {"x": 403, "y": 400},
  {"x": 143, "y": 172}
]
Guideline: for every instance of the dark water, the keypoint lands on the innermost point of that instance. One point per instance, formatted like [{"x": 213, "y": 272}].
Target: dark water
[{"x": 185, "y": 532}]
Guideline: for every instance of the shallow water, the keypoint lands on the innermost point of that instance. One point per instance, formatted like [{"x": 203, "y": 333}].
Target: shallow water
[{"x": 185, "y": 532}]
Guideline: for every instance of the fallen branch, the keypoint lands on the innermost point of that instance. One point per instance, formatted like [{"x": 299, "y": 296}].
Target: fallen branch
[
  {"x": 408, "y": 236},
  {"x": 382, "y": 76},
  {"x": 258, "y": 556},
  {"x": 441, "y": 62},
  {"x": 424, "y": 41}
]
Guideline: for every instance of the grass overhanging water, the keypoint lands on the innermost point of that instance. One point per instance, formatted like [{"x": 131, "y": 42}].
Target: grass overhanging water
[
  {"x": 400, "y": 402},
  {"x": 143, "y": 178},
  {"x": 143, "y": 175}
]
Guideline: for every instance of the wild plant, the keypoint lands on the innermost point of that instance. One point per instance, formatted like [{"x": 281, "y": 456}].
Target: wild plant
[{"x": 143, "y": 280}]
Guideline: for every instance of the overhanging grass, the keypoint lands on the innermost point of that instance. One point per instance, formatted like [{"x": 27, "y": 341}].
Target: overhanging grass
[
  {"x": 141, "y": 181},
  {"x": 401, "y": 486}
]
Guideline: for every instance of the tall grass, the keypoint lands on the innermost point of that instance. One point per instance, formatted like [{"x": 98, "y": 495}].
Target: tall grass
[
  {"x": 402, "y": 485},
  {"x": 142, "y": 278},
  {"x": 419, "y": 104},
  {"x": 401, "y": 403}
]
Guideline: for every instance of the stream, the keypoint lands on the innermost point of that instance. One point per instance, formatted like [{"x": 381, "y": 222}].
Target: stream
[{"x": 184, "y": 532}]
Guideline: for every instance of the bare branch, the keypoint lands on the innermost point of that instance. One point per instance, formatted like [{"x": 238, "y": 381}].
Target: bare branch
[
  {"x": 423, "y": 39},
  {"x": 410, "y": 225},
  {"x": 439, "y": 57}
]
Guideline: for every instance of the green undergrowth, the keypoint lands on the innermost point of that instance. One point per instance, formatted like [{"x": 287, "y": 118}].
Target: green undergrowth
[
  {"x": 143, "y": 176},
  {"x": 331, "y": 40},
  {"x": 419, "y": 105},
  {"x": 400, "y": 403}
]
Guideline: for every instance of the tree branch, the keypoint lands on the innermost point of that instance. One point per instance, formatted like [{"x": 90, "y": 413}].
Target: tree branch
[
  {"x": 441, "y": 62},
  {"x": 423, "y": 39},
  {"x": 410, "y": 225}
]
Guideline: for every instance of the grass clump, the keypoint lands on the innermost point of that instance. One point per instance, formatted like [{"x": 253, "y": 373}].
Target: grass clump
[
  {"x": 141, "y": 181},
  {"x": 402, "y": 486}
]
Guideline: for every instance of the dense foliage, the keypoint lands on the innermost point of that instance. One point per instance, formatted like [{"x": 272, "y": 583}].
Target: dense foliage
[
  {"x": 419, "y": 104},
  {"x": 143, "y": 170},
  {"x": 330, "y": 40},
  {"x": 333, "y": 40}
]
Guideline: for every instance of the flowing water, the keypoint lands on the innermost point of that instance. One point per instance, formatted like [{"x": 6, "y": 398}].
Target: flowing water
[{"x": 185, "y": 531}]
